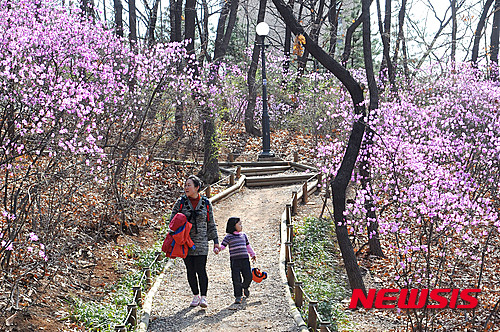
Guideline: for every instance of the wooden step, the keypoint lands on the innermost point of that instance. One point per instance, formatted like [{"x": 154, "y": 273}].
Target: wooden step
[{"x": 256, "y": 181}]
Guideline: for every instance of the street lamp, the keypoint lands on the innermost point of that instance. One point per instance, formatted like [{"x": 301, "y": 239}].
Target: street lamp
[{"x": 262, "y": 30}]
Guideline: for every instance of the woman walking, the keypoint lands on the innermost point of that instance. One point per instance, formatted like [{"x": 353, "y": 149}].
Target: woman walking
[{"x": 198, "y": 211}]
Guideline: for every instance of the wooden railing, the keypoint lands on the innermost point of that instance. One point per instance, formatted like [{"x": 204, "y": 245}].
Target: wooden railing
[
  {"x": 314, "y": 321},
  {"x": 131, "y": 318}
]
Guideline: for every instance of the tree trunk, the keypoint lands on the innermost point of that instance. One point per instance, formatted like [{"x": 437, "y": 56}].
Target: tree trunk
[
  {"x": 385, "y": 34},
  {"x": 152, "y": 23},
  {"x": 210, "y": 171},
  {"x": 401, "y": 16},
  {"x": 132, "y": 37},
  {"x": 118, "y": 17},
  {"x": 333, "y": 19},
  {"x": 252, "y": 70},
  {"x": 189, "y": 33},
  {"x": 175, "y": 20},
  {"x": 348, "y": 41},
  {"x": 453, "y": 31},
  {"x": 479, "y": 31},
  {"x": 316, "y": 28},
  {"x": 494, "y": 41},
  {"x": 372, "y": 223},
  {"x": 203, "y": 31},
  {"x": 288, "y": 44},
  {"x": 341, "y": 180}
]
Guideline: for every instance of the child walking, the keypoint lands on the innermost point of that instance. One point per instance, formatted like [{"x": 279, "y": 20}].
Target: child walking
[{"x": 239, "y": 249}]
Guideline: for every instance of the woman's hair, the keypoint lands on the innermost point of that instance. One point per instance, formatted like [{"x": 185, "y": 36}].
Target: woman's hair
[
  {"x": 196, "y": 181},
  {"x": 231, "y": 222}
]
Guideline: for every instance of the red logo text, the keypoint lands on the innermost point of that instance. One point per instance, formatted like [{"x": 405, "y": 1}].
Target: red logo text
[{"x": 415, "y": 298}]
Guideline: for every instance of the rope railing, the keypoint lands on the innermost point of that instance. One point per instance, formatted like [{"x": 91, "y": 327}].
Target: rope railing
[
  {"x": 300, "y": 298},
  {"x": 131, "y": 318}
]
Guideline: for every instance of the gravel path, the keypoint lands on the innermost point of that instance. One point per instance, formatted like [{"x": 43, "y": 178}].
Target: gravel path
[{"x": 267, "y": 307}]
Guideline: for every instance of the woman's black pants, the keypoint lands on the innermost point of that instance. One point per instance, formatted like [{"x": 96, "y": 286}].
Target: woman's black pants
[
  {"x": 240, "y": 267},
  {"x": 197, "y": 274}
]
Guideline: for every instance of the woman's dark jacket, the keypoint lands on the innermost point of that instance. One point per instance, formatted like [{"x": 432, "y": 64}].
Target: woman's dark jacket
[{"x": 202, "y": 231}]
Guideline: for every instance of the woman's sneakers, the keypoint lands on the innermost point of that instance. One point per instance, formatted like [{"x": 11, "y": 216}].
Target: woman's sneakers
[
  {"x": 203, "y": 302},
  {"x": 196, "y": 301},
  {"x": 237, "y": 300}
]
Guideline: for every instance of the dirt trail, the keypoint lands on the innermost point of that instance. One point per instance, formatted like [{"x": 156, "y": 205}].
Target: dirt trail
[{"x": 266, "y": 308}]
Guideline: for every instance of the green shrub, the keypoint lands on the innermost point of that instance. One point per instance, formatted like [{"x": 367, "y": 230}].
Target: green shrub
[{"x": 317, "y": 267}]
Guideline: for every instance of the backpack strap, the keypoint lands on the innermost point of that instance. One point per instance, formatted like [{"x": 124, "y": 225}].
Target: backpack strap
[
  {"x": 183, "y": 201},
  {"x": 207, "y": 203}
]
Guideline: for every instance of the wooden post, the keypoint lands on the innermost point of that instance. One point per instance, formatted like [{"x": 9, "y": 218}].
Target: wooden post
[
  {"x": 290, "y": 274},
  {"x": 288, "y": 251},
  {"x": 299, "y": 295},
  {"x": 231, "y": 157},
  {"x": 238, "y": 171},
  {"x": 288, "y": 210},
  {"x": 312, "y": 318},
  {"x": 149, "y": 282},
  {"x": 208, "y": 191},
  {"x": 137, "y": 294},
  {"x": 304, "y": 193},
  {"x": 320, "y": 182},
  {"x": 294, "y": 203},
  {"x": 120, "y": 328},
  {"x": 231, "y": 179},
  {"x": 289, "y": 233},
  {"x": 324, "y": 326},
  {"x": 132, "y": 314},
  {"x": 295, "y": 156},
  {"x": 159, "y": 256}
]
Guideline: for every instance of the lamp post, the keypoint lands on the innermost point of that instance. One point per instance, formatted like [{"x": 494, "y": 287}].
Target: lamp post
[{"x": 262, "y": 30}]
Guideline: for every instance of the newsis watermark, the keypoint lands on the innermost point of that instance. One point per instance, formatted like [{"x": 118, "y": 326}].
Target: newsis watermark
[{"x": 415, "y": 298}]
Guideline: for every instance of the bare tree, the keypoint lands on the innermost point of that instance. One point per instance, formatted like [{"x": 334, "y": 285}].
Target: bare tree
[
  {"x": 252, "y": 70},
  {"x": 132, "y": 23},
  {"x": 385, "y": 34},
  {"x": 494, "y": 41},
  {"x": 479, "y": 31},
  {"x": 118, "y": 17},
  {"x": 341, "y": 180}
]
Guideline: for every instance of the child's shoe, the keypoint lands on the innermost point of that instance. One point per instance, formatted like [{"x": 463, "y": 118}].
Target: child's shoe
[
  {"x": 196, "y": 301},
  {"x": 237, "y": 300},
  {"x": 203, "y": 302},
  {"x": 246, "y": 291}
]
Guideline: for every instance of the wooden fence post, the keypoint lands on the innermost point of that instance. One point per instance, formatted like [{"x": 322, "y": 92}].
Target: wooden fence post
[
  {"x": 290, "y": 274},
  {"x": 231, "y": 179},
  {"x": 295, "y": 156},
  {"x": 120, "y": 328},
  {"x": 288, "y": 210},
  {"x": 312, "y": 318},
  {"x": 238, "y": 171},
  {"x": 132, "y": 314},
  {"x": 294, "y": 203},
  {"x": 231, "y": 157},
  {"x": 289, "y": 233},
  {"x": 324, "y": 326},
  {"x": 288, "y": 251},
  {"x": 149, "y": 282},
  {"x": 137, "y": 294},
  {"x": 208, "y": 191},
  {"x": 304, "y": 193},
  {"x": 299, "y": 295}
]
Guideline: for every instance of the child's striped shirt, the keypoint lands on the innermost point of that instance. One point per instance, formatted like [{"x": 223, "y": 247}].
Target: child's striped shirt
[{"x": 239, "y": 246}]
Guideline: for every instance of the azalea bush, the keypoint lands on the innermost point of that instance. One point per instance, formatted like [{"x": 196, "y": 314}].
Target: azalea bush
[
  {"x": 434, "y": 182},
  {"x": 76, "y": 101}
]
